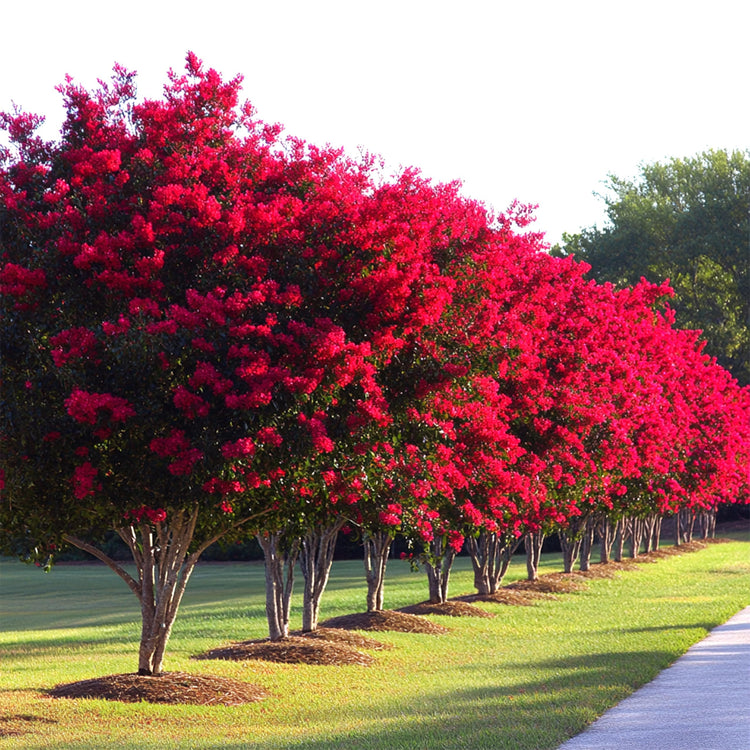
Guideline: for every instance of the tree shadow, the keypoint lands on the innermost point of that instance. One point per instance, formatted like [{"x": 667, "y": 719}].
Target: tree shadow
[{"x": 531, "y": 715}]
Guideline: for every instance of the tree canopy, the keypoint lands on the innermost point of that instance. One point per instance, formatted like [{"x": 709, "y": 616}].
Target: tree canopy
[
  {"x": 685, "y": 220},
  {"x": 209, "y": 329}
]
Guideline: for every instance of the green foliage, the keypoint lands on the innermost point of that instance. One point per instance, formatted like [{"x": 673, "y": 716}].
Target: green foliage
[{"x": 685, "y": 220}]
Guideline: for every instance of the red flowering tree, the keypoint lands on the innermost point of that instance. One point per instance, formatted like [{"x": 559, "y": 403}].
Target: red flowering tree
[{"x": 163, "y": 370}]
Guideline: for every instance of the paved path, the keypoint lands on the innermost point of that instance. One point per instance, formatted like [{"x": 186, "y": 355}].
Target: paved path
[{"x": 701, "y": 702}]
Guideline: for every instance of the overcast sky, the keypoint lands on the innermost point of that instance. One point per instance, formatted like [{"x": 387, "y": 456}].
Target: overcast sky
[{"x": 537, "y": 100}]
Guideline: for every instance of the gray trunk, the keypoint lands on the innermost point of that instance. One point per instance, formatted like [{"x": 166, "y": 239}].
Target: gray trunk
[
  {"x": 490, "y": 554},
  {"x": 687, "y": 520},
  {"x": 316, "y": 558},
  {"x": 438, "y": 568},
  {"x": 533, "y": 542},
  {"x": 619, "y": 543},
  {"x": 377, "y": 546},
  {"x": 279, "y": 560},
  {"x": 636, "y": 536},
  {"x": 607, "y": 533},
  {"x": 707, "y": 524},
  {"x": 163, "y": 565},
  {"x": 571, "y": 538},
  {"x": 587, "y": 543}
]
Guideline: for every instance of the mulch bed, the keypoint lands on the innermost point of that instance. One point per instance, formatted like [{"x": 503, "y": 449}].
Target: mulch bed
[
  {"x": 169, "y": 687},
  {"x": 333, "y": 643},
  {"x": 295, "y": 649},
  {"x": 348, "y": 637},
  {"x": 451, "y": 608},
  {"x": 552, "y": 583},
  {"x": 386, "y": 620},
  {"x": 510, "y": 597}
]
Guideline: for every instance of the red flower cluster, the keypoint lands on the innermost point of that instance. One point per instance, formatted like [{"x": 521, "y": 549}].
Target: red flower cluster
[{"x": 268, "y": 321}]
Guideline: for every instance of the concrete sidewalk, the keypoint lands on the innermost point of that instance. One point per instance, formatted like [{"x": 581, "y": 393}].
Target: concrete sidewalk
[{"x": 701, "y": 702}]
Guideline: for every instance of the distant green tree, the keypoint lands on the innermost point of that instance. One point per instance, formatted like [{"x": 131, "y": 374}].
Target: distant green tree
[{"x": 686, "y": 220}]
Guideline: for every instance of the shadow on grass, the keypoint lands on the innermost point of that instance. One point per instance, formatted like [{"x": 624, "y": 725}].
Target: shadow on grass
[
  {"x": 707, "y": 626},
  {"x": 533, "y": 715}
]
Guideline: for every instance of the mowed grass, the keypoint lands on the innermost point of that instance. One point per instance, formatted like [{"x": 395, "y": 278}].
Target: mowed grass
[{"x": 529, "y": 678}]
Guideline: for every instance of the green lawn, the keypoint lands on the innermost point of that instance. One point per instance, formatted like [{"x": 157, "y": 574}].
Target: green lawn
[{"x": 529, "y": 678}]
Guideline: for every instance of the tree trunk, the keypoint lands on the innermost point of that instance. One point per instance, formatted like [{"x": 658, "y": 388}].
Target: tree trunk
[
  {"x": 677, "y": 530},
  {"x": 533, "y": 542},
  {"x": 656, "y": 534},
  {"x": 316, "y": 558},
  {"x": 619, "y": 543},
  {"x": 570, "y": 542},
  {"x": 163, "y": 565},
  {"x": 649, "y": 524},
  {"x": 490, "y": 554},
  {"x": 377, "y": 546},
  {"x": 438, "y": 566},
  {"x": 607, "y": 536},
  {"x": 636, "y": 536},
  {"x": 279, "y": 560},
  {"x": 707, "y": 524},
  {"x": 587, "y": 544},
  {"x": 687, "y": 519}
]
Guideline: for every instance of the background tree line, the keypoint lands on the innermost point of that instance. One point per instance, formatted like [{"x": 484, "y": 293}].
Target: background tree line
[{"x": 686, "y": 220}]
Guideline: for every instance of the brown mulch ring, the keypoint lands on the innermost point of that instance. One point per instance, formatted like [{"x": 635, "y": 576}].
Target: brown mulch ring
[
  {"x": 514, "y": 598},
  {"x": 169, "y": 687},
  {"x": 452, "y": 608},
  {"x": 340, "y": 635},
  {"x": 386, "y": 620},
  {"x": 295, "y": 649},
  {"x": 552, "y": 583}
]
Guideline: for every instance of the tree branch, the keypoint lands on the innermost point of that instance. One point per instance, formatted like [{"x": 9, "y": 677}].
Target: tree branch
[{"x": 108, "y": 561}]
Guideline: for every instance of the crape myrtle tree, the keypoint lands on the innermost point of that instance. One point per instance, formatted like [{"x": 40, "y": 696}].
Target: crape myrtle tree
[
  {"x": 380, "y": 252},
  {"x": 156, "y": 361}
]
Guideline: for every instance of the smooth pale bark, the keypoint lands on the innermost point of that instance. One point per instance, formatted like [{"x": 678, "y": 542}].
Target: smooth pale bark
[
  {"x": 316, "y": 558},
  {"x": 163, "y": 568},
  {"x": 621, "y": 531},
  {"x": 571, "y": 538},
  {"x": 533, "y": 542},
  {"x": 490, "y": 554},
  {"x": 377, "y": 547},
  {"x": 587, "y": 543},
  {"x": 607, "y": 535},
  {"x": 652, "y": 534},
  {"x": 279, "y": 559},
  {"x": 707, "y": 524},
  {"x": 637, "y": 531},
  {"x": 438, "y": 568},
  {"x": 687, "y": 519}
]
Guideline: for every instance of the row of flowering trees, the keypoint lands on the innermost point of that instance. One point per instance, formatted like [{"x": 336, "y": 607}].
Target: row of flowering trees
[{"x": 210, "y": 331}]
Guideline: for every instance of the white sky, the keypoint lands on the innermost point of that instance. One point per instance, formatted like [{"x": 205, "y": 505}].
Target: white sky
[{"x": 532, "y": 99}]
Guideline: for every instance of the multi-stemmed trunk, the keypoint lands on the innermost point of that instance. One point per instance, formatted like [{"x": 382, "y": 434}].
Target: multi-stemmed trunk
[
  {"x": 652, "y": 532},
  {"x": 621, "y": 531},
  {"x": 684, "y": 523},
  {"x": 377, "y": 546},
  {"x": 607, "y": 535},
  {"x": 571, "y": 538},
  {"x": 163, "y": 567},
  {"x": 438, "y": 566},
  {"x": 533, "y": 542},
  {"x": 637, "y": 531},
  {"x": 279, "y": 557},
  {"x": 587, "y": 544},
  {"x": 707, "y": 524},
  {"x": 490, "y": 554},
  {"x": 316, "y": 558}
]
